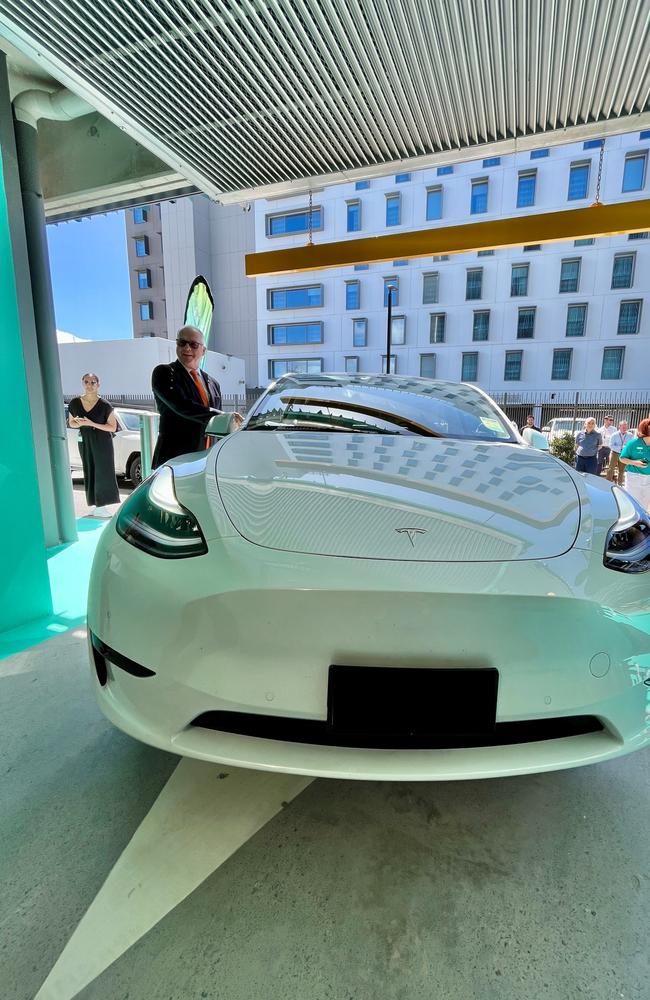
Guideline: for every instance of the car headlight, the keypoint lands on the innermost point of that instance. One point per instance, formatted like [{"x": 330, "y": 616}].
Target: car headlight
[
  {"x": 627, "y": 548},
  {"x": 153, "y": 520}
]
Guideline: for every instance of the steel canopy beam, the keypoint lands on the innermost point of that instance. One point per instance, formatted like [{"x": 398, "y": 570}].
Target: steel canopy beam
[{"x": 545, "y": 227}]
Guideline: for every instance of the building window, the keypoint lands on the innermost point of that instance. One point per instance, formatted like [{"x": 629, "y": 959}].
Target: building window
[
  {"x": 593, "y": 143},
  {"x": 638, "y": 236},
  {"x": 430, "y": 286},
  {"x": 578, "y": 181},
  {"x": 485, "y": 253},
  {"x": 584, "y": 243},
  {"x": 298, "y": 366},
  {"x": 481, "y": 325},
  {"x": 299, "y": 297},
  {"x": 474, "y": 283},
  {"x": 538, "y": 154},
  {"x": 439, "y": 257},
  {"x": 645, "y": 134},
  {"x": 361, "y": 185},
  {"x": 469, "y": 368},
  {"x": 427, "y": 366},
  {"x": 398, "y": 330},
  {"x": 144, "y": 278},
  {"x": 359, "y": 332},
  {"x": 570, "y": 275},
  {"x": 142, "y": 246},
  {"x": 612, "y": 363},
  {"x": 434, "y": 203},
  {"x": 492, "y": 161},
  {"x": 353, "y": 216},
  {"x": 146, "y": 310},
  {"x": 402, "y": 178},
  {"x": 400, "y": 263},
  {"x": 628, "y": 317},
  {"x": 576, "y": 319},
  {"x": 561, "y": 369},
  {"x": 623, "y": 270},
  {"x": 140, "y": 215},
  {"x": 532, "y": 247},
  {"x": 443, "y": 171},
  {"x": 393, "y": 209},
  {"x": 479, "y": 200},
  {"x": 437, "y": 323},
  {"x": 352, "y": 364},
  {"x": 391, "y": 286},
  {"x": 393, "y": 364},
  {"x": 519, "y": 280},
  {"x": 634, "y": 171},
  {"x": 526, "y": 188},
  {"x": 295, "y": 333},
  {"x": 526, "y": 323},
  {"x": 288, "y": 223},
  {"x": 512, "y": 368},
  {"x": 352, "y": 295},
  {"x": 361, "y": 267}
]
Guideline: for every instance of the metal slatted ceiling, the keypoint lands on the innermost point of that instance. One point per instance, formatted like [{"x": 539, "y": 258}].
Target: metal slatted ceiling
[{"x": 241, "y": 94}]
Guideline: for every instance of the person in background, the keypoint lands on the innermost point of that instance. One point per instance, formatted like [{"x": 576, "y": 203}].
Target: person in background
[
  {"x": 530, "y": 423},
  {"x": 616, "y": 443},
  {"x": 96, "y": 422},
  {"x": 635, "y": 456},
  {"x": 606, "y": 432},
  {"x": 588, "y": 441},
  {"x": 186, "y": 399}
]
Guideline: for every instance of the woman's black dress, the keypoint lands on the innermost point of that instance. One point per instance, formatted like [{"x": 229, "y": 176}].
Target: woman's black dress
[{"x": 97, "y": 458}]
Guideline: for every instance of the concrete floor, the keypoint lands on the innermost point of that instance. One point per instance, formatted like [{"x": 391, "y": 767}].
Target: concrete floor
[{"x": 525, "y": 888}]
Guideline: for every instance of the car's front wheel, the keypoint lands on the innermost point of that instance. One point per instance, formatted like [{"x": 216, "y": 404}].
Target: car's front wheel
[{"x": 134, "y": 470}]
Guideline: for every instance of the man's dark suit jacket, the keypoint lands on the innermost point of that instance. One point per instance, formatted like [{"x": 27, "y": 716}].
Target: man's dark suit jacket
[{"x": 183, "y": 417}]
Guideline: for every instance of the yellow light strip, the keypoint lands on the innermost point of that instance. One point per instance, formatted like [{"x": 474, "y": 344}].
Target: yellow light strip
[{"x": 547, "y": 227}]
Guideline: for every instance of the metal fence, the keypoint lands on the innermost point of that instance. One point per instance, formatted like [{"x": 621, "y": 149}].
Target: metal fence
[
  {"x": 146, "y": 401},
  {"x": 631, "y": 406}
]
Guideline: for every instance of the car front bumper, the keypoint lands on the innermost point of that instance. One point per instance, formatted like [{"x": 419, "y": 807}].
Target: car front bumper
[{"x": 254, "y": 631}]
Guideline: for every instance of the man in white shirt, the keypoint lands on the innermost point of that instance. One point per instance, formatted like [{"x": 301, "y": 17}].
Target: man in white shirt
[
  {"x": 617, "y": 442},
  {"x": 605, "y": 432}
]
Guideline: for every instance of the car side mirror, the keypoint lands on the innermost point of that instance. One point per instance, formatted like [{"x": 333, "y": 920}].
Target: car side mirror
[
  {"x": 535, "y": 439},
  {"x": 221, "y": 425}
]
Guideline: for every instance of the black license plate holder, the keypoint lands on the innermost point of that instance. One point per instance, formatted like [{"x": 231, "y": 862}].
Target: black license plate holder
[{"x": 412, "y": 701}]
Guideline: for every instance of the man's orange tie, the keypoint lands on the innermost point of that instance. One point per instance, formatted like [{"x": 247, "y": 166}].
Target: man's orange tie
[{"x": 200, "y": 385}]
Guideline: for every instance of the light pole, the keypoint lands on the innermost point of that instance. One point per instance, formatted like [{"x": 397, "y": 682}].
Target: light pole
[{"x": 389, "y": 327}]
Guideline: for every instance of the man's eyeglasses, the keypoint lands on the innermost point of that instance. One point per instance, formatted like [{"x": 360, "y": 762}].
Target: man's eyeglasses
[{"x": 194, "y": 344}]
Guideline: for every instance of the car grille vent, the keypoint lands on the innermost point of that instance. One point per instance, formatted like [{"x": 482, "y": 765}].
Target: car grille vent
[{"x": 273, "y": 727}]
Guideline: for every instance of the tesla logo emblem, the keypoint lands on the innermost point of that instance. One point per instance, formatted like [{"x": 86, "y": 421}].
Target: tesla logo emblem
[{"x": 411, "y": 532}]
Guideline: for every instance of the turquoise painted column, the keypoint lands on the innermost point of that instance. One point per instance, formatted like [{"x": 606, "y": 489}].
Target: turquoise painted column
[{"x": 24, "y": 580}]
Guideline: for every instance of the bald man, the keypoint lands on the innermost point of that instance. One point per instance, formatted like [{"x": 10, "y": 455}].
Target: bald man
[{"x": 186, "y": 398}]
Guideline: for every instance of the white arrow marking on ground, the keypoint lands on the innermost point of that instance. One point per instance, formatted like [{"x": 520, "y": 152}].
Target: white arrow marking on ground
[{"x": 195, "y": 824}]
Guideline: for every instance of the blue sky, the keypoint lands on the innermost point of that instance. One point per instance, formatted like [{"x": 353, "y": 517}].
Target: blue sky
[{"x": 90, "y": 277}]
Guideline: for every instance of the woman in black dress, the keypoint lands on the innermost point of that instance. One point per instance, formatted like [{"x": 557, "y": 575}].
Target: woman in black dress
[{"x": 96, "y": 421}]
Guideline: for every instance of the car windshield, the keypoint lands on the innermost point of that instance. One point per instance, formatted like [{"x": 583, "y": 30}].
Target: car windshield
[
  {"x": 130, "y": 420},
  {"x": 376, "y": 404}
]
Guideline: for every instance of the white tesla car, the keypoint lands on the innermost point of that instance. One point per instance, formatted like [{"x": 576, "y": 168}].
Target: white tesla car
[{"x": 375, "y": 578}]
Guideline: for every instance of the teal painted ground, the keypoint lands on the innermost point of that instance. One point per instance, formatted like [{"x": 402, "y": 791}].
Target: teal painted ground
[{"x": 69, "y": 571}]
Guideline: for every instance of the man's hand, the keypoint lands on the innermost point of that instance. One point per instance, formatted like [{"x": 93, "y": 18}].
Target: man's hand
[{"x": 238, "y": 419}]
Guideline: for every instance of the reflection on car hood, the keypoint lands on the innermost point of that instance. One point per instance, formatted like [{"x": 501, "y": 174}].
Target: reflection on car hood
[{"x": 396, "y": 497}]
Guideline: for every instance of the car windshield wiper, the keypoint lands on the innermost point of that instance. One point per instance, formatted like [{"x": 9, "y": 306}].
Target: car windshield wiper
[
  {"x": 371, "y": 411},
  {"x": 288, "y": 425}
]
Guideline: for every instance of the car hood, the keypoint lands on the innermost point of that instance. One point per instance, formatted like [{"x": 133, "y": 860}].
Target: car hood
[{"x": 396, "y": 497}]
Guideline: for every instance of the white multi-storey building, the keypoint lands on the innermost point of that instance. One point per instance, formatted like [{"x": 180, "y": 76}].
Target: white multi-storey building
[{"x": 560, "y": 316}]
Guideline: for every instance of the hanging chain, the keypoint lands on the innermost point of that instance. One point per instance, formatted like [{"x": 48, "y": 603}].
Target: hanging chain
[
  {"x": 600, "y": 172},
  {"x": 311, "y": 218}
]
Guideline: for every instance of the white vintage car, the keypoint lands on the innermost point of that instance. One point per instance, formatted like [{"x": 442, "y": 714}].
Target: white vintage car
[
  {"x": 126, "y": 445},
  {"x": 375, "y": 578}
]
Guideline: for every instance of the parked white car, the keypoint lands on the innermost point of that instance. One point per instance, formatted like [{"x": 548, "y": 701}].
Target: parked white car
[
  {"x": 375, "y": 578},
  {"x": 126, "y": 445},
  {"x": 562, "y": 425}
]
